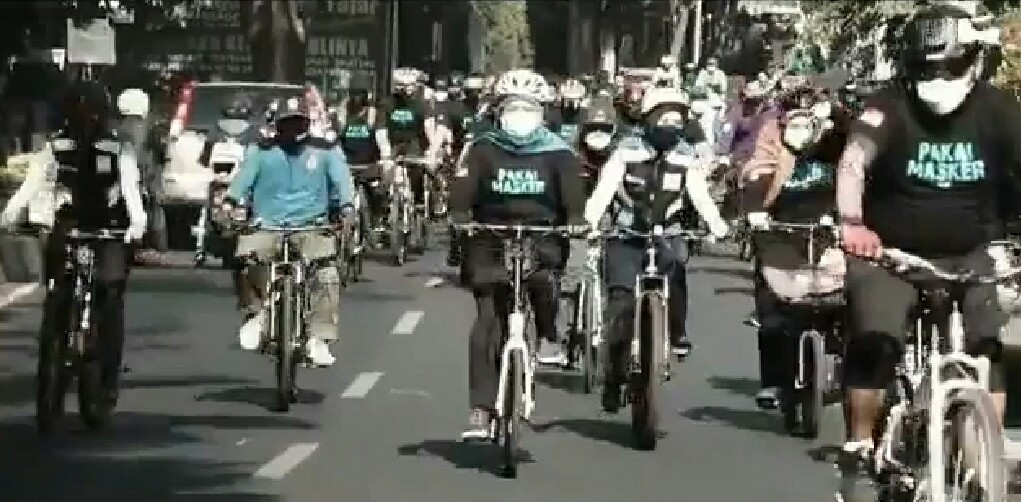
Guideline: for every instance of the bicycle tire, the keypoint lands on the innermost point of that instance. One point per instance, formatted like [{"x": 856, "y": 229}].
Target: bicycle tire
[
  {"x": 989, "y": 438},
  {"x": 52, "y": 379},
  {"x": 398, "y": 243},
  {"x": 91, "y": 408},
  {"x": 583, "y": 336},
  {"x": 510, "y": 423},
  {"x": 595, "y": 332},
  {"x": 812, "y": 402},
  {"x": 285, "y": 357},
  {"x": 645, "y": 382},
  {"x": 344, "y": 258}
]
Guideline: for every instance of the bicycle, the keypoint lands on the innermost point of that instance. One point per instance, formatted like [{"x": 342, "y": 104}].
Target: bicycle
[
  {"x": 940, "y": 387},
  {"x": 515, "y": 398},
  {"x": 74, "y": 351},
  {"x": 588, "y": 326},
  {"x": 819, "y": 341},
  {"x": 408, "y": 227},
  {"x": 351, "y": 240},
  {"x": 292, "y": 279},
  {"x": 648, "y": 365}
]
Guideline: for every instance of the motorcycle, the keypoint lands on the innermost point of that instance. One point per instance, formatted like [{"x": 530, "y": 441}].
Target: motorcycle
[{"x": 224, "y": 158}]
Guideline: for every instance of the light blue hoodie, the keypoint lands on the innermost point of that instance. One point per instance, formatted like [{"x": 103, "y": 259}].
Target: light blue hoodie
[{"x": 292, "y": 189}]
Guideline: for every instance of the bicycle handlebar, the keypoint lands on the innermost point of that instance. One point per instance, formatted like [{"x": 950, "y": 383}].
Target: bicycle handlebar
[
  {"x": 103, "y": 234},
  {"x": 258, "y": 226},
  {"x": 474, "y": 227},
  {"x": 901, "y": 261},
  {"x": 625, "y": 233}
]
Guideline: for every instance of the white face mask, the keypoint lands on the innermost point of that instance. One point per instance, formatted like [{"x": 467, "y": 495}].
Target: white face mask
[
  {"x": 598, "y": 140},
  {"x": 944, "y": 96},
  {"x": 520, "y": 123},
  {"x": 798, "y": 135},
  {"x": 440, "y": 95}
]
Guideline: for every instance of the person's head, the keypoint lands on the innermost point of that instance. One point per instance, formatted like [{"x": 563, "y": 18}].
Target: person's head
[
  {"x": 631, "y": 101},
  {"x": 804, "y": 116},
  {"x": 664, "y": 113},
  {"x": 598, "y": 126},
  {"x": 359, "y": 91},
  {"x": 405, "y": 82},
  {"x": 474, "y": 85},
  {"x": 752, "y": 96},
  {"x": 441, "y": 89},
  {"x": 237, "y": 106},
  {"x": 946, "y": 48},
  {"x": 86, "y": 108},
  {"x": 456, "y": 87},
  {"x": 292, "y": 120},
  {"x": 521, "y": 92},
  {"x": 667, "y": 62},
  {"x": 572, "y": 93},
  {"x": 133, "y": 103},
  {"x": 712, "y": 64}
]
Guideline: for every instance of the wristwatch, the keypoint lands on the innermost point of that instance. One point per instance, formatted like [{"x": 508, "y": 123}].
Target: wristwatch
[{"x": 851, "y": 220}]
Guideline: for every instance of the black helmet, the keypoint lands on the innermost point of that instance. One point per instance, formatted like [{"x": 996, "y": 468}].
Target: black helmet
[
  {"x": 943, "y": 40},
  {"x": 293, "y": 107},
  {"x": 238, "y": 106}
]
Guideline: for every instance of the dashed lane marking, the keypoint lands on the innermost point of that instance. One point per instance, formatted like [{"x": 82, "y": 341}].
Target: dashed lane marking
[
  {"x": 407, "y": 323},
  {"x": 361, "y": 385},
  {"x": 285, "y": 462}
]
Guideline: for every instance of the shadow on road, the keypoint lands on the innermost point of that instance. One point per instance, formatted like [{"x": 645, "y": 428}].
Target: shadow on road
[
  {"x": 19, "y": 388},
  {"x": 129, "y": 461},
  {"x": 479, "y": 456},
  {"x": 751, "y": 420},
  {"x": 607, "y": 431},
  {"x": 177, "y": 283},
  {"x": 569, "y": 381},
  {"x": 730, "y": 272},
  {"x": 747, "y": 291},
  {"x": 742, "y": 386},
  {"x": 263, "y": 397}
]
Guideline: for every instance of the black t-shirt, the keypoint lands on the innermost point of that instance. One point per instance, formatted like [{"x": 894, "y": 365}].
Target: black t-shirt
[
  {"x": 941, "y": 185},
  {"x": 358, "y": 137},
  {"x": 405, "y": 124},
  {"x": 497, "y": 186},
  {"x": 90, "y": 170},
  {"x": 808, "y": 194}
]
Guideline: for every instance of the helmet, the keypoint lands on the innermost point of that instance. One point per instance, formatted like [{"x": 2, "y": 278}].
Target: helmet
[
  {"x": 456, "y": 80},
  {"x": 440, "y": 83},
  {"x": 294, "y": 107},
  {"x": 806, "y": 112},
  {"x": 753, "y": 90},
  {"x": 946, "y": 44},
  {"x": 474, "y": 82},
  {"x": 405, "y": 77},
  {"x": 522, "y": 82},
  {"x": 133, "y": 102},
  {"x": 600, "y": 112},
  {"x": 661, "y": 96},
  {"x": 668, "y": 60},
  {"x": 237, "y": 106},
  {"x": 572, "y": 89}
]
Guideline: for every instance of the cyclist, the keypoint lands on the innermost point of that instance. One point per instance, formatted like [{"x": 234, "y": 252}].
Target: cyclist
[
  {"x": 292, "y": 180},
  {"x": 91, "y": 176},
  {"x": 519, "y": 173},
  {"x": 668, "y": 74},
  {"x": 597, "y": 138},
  {"x": 668, "y": 151},
  {"x": 563, "y": 119},
  {"x": 361, "y": 134},
  {"x": 410, "y": 128},
  {"x": 742, "y": 124},
  {"x": 940, "y": 148},
  {"x": 789, "y": 177}
]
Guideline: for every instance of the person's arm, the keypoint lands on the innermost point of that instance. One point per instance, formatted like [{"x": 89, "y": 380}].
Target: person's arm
[
  {"x": 339, "y": 175},
  {"x": 35, "y": 180},
  {"x": 610, "y": 176},
  {"x": 245, "y": 179},
  {"x": 863, "y": 147},
  {"x": 131, "y": 183},
  {"x": 757, "y": 173},
  {"x": 572, "y": 189},
  {"x": 466, "y": 183}
]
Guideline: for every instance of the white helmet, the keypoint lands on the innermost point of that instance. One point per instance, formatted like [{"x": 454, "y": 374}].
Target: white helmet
[
  {"x": 572, "y": 89},
  {"x": 521, "y": 82},
  {"x": 661, "y": 96},
  {"x": 133, "y": 102},
  {"x": 667, "y": 61},
  {"x": 405, "y": 76}
]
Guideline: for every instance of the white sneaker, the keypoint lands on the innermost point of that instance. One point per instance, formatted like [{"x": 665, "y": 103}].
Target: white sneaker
[
  {"x": 319, "y": 353},
  {"x": 250, "y": 334}
]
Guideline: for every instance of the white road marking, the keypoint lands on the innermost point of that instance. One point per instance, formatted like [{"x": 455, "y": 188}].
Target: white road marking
[
  {"x": 435, "y": 282},
  {"x": 361, "y": 385},
  {"x": 411, "y": 392},
  {"x": 18, "y": 293},
  {"x": 406, "y": 324},
  {"x": 286, "y": 461}
]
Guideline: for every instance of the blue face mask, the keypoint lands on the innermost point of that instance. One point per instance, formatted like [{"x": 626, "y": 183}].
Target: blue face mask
[{"x": 663, "y": 137}]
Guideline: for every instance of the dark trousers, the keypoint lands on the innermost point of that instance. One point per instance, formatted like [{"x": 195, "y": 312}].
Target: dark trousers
[
  {"x": 111, "y": 272},
  {"x": 492, "y": 302}
]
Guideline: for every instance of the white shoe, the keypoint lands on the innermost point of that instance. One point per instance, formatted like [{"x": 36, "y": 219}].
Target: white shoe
[
  {"x": 250, "y": 334},
  {"x": 319, "y": 353}
]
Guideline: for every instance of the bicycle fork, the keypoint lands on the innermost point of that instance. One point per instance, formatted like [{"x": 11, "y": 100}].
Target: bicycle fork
[{"x": 516, "y": 343}]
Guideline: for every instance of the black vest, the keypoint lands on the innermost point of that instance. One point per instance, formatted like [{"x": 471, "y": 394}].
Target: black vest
[
  {"x": 653, "y": 182},
  {"x": 91, "y": 173}
]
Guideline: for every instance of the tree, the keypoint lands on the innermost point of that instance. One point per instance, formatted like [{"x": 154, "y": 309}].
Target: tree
[{"x": 508, "y": 42}]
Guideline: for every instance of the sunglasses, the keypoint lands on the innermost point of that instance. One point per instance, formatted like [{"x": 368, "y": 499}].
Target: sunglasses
[{"x": 949, "y": 68}]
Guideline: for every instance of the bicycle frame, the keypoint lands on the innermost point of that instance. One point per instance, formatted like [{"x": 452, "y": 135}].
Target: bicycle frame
[
  {"x": 593, "y": 281},
  {"x": 81, "y": 263},
  {"x": 516, "y": 341}
]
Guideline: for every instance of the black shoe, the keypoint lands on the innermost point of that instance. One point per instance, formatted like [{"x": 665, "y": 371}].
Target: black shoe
[
  {"x": 611, "y": 397},
  {"x": 856, "y": 483},
  {"x": 453, "y": 257},
  {"x": 680, "y": 346}
]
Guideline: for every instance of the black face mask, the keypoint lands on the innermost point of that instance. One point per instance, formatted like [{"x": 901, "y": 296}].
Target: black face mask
[{"x": 663, "y": 138}]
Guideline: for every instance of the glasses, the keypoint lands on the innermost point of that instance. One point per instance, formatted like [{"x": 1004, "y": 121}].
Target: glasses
[
  {"x": 948, "y": 68},
  {"x": 521, "y": 106}
]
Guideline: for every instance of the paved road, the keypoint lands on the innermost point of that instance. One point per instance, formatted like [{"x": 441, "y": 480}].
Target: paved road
[{"x": 381, "y": 425}]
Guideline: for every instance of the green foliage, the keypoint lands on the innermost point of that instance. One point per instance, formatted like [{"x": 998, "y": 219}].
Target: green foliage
[{"x": 508, "y": 42}]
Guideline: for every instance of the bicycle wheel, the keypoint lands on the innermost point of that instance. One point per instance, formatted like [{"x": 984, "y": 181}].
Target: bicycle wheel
[
  {"x": 510, "y": 422},
  {"x": 645, "y": 386},
  {"x": 286, "y": 362},
  {"x": 344, "y": 257},
  {"x": 398, "y": 241},
  {"x": 974, "y": 449},
  {"x": 52, "y": 378},
  {"x": 594, "y": 332},
  {"x": 92, "y": 403},
  {"x": 581, "y": 336},
  {"x": 812, "y": 397}
]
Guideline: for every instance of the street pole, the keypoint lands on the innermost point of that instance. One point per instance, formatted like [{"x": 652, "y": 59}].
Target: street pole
[{"x": 696, "y": 43}]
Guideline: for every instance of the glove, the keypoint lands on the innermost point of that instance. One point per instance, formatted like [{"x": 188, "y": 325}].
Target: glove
[
  {"x": 136, "y": 229},
  {"x": 758, "y": 220}
]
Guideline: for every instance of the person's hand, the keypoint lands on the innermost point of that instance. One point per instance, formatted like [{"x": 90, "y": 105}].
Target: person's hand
[
  {"x": 136, "y": 229},
  {"x": 719, "y": 229},
  {"x": 758, "y": 220},
  {"x": 578, "y": 227},
  {"x": 859, "y": 240}
]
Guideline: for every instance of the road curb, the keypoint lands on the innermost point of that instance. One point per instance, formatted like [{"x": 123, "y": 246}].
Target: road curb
[{"x": 11, "y": 293}]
